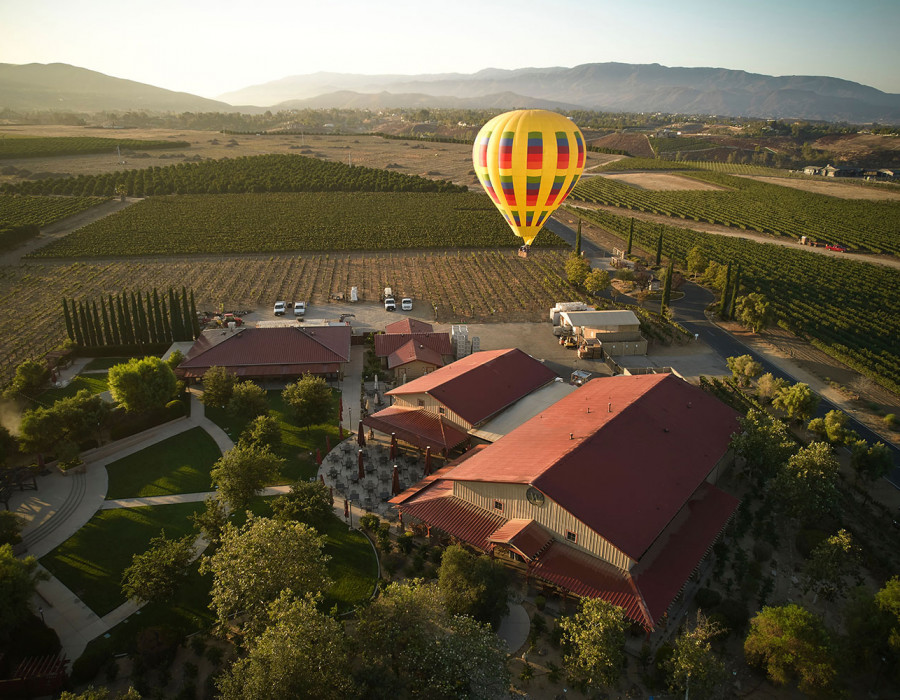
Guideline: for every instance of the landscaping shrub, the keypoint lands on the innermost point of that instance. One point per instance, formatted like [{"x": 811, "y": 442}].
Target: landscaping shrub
[
  {"x": 731, "y": 614},
  {"x": 369, "y": 522},
  {"x": 707, "y": 598},
  {"x": 808, "y": 540},
  {"x": 88, "y": 665},
  {"x": 405, "y": 543},
  {"x": 175, "y": 409}
]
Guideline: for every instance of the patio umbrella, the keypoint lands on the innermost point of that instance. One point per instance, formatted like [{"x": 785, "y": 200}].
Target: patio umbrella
[
  {"x": 327, "y": 443},
  {"x": 359, "y": 463},
  {"x": 393, "y": 445},
  {"x": 346, "y": 508},
  {"x": 341, "y": 406},
  {"x": 402, "y": 528},
  {"x": 395, "y": 482},
  {"x": 340, "y": 430},
  {"x": 331, "y": 494},
  {"x": 318, "y": 456},
  {"x": 322, "y": 478},
  {"x": 428, "y": 460},
  {"x": 361, "y": 435}
]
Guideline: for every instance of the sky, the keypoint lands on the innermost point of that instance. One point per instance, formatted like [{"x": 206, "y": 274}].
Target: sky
[{"x": 209, "y": 48}]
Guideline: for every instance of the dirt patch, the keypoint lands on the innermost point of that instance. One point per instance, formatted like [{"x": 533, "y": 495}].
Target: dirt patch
[
  {"x": 662, "y": 182},
  {"x": 841, "y": 190}
]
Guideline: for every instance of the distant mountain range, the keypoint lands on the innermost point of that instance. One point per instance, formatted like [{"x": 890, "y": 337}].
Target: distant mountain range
[{"x": 612, "y": 87}]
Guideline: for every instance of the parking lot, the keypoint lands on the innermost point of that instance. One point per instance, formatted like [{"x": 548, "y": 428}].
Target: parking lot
[{"x": 536, "y": 339}]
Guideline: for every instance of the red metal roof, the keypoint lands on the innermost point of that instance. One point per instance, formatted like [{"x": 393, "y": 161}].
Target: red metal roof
[
  {"x": 386, "y": 344},
  {"x": 438, "y": 507},
  {"x": 587, "y": 576},
  {"x": 525, "y": 535},
  {"x": 417, "y": 427},
  {"x": 412, "y": 351},
  {"x": 482, "y": 384},
  {"x": 640, "y": 446},
  {"x": 259, "y": 351},
  {"x": 663, "y": 571},
  {"x": 408, "y": 325}
]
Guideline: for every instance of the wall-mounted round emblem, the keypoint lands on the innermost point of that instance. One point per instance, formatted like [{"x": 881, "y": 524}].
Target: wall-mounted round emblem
[{"x": 535, "y": 497}]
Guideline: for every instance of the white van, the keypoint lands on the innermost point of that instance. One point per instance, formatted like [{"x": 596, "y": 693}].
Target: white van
[{"x": 390, "y": 304}]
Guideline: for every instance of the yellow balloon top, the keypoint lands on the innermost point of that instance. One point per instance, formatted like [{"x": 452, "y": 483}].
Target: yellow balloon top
[{"x": 528, "y": 161}]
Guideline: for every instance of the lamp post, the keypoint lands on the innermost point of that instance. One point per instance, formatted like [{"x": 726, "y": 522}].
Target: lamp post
[
  {"x": 350, "y": 512},
  {"x": 350, "y": 418}
]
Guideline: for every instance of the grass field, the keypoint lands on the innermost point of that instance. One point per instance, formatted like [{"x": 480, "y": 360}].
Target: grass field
[
  {"x": 298, "y": 445},
  {"x": 91, "y": 562},
  {"x": 180, "y": 464},
  {"x": 96, "y": 384}
]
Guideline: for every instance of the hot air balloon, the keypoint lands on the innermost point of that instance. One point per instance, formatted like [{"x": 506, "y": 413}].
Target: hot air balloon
[{"x": 528, "y": 161}]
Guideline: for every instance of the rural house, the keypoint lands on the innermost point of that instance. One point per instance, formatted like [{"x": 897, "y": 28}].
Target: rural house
[
  {"x": 411, "y": 348},
  {"x": 610, "y": 492},
  {"x": 282, "y": 353},
  {"x": 440, "y": 408}
]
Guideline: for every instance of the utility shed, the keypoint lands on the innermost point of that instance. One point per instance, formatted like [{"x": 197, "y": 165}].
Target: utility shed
[{"x": 619, "y": 332}]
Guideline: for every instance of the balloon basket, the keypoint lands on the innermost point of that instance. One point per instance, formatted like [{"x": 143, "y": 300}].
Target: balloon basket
[{"x": 523, "y": 251}]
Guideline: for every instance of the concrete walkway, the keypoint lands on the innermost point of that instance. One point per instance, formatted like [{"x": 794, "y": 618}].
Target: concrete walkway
[
  {"x": 514, "y": 627},
  {"x": 351, "y": 388},
  {"x": 64, "y": 503}
]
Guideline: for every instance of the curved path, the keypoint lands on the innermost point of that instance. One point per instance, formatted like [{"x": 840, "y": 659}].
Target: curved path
[{"x": 65, "y": 503}]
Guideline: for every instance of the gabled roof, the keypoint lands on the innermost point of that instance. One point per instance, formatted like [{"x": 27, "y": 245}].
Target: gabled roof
[
  {"x": 527, "y": 536},
  {"x": 417, "y": 427},
  {"x": 386, "y": 344},
  {"x": 408, "y": 326},
  {"x": 248, "y": 350},
  {"x": 412, "y": 351},
  {"x": 621, "y": 454},
  {"x": 478, "y": 386}
]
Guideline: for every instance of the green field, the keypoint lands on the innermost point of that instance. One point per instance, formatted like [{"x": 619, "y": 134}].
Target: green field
[
  {"x": 41, "y": 211},
  {"x": 45, "y": 146},
  {"x": 317, "y": 221},
  {"x": 179, "y": 464},
  {"x": 840, "y": 304},
  {"x": 91, "y": 562},
  {"x": 761, "y": 206},
  {"x": 95, "y": 384}
]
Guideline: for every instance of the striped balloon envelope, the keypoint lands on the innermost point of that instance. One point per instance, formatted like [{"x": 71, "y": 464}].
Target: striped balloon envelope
[{"x": 528, "y": 161}]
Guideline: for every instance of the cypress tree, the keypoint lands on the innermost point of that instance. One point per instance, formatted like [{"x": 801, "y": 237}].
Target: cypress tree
[
  {"x": 726, "y": 293},
  {"x": 667, "y": 289},
  {"x": 85, "y": 315},
  {"x": 98, "y": 326},
  {"x": 167, "y": 324},
  {"x": 630, "y": 237},
  {"x": 186, "y": 317},
  {"x": 154, "y": 312},
  {"x": 176, "y": 329},
  {"x": 77, "y": 325},
  {"x": 195, "y": 320},
  {"x": 127, "y": 323},
  {"x": 735, "y": 290},
  {"x": 578, "y": 239},
  {"x": 114, "y": 321},
  {"x": 143, "y": 320},
  {"x": 69, "y": 330},
  {"x": 136, "y": 320},
  {"x": 659, "y": 249},
  {"x": 107, "y": 326}
]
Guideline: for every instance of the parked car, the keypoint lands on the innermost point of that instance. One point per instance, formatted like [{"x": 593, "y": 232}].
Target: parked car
[
  {"x": 390, "y": 304},
  {"x": 299, "y": 308},
  {"x": 406, "y": 304},
  {"x": 280, "y": 307}
]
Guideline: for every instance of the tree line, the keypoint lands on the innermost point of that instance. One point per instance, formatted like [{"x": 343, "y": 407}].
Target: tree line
[{"x": 132, "y": 318}]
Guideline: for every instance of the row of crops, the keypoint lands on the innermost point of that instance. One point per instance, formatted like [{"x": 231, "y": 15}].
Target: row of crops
[
  {"x": 763, "y": 207},
  {"x": 41, "y": 211},
  {"x": 841, "y": 305},
  {"x": 252, "y": 223},
  {"x": 664, "y": 164},
  {"x": 44, "y": 146},
  {"x": 267, "y": 173},
  {"x": 462, "y": 286}
]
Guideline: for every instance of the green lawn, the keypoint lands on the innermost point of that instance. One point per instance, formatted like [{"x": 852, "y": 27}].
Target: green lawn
[
  {"x": 95, "y": 384},
  {"x": 91, "y": 562},
  {"x": 179, "y": 464},
  {"x": 298, "y": 445},
  {"x": 104, "y": 363}
]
